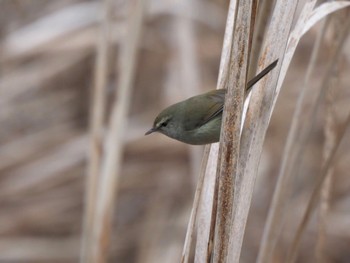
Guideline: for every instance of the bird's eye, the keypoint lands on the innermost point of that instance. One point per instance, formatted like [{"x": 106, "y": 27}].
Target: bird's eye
[{"x": 164, "y": 124}]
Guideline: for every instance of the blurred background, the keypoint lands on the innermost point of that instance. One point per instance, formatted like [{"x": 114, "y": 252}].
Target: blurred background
[{"x": 47, "y": 71}]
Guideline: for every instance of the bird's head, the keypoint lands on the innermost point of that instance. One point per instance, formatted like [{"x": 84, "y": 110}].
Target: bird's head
[{"x": 165, "y": 123}]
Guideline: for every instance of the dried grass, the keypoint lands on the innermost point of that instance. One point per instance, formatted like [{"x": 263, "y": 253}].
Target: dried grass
[{"x": 47, "y": 59}]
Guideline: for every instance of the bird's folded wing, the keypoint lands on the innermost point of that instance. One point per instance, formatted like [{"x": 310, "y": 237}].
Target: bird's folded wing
[{"x": 208, "y": 107}]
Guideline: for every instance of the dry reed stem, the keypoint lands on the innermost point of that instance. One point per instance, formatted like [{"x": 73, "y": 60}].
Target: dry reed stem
[
  {"x": 323, "y": 217},
  {"x": 307, "y": 19},
  {"x": 264, "y": 13},
  {"x": 97, "y": 117},
  {"x": 305, "y": 22},
  {"x": 308, "y": 127},
  {"x": 292, "y": 254},
  {"x": 330, "y": 127},
  {"x": 260, "y": 110},
  {"x": 110, "y": 170},
  {"x": 194, "y": 212},
  {"x": 205, "y": 213},
  {"x": 206, "y": 13},
  {"x": 227, "y": 46},
  {"x": 282, "y": 191},
  {"x": 231, "y": 130},
  {"x": 325, "y": 85},
  {"x": 322, "y": 11}
]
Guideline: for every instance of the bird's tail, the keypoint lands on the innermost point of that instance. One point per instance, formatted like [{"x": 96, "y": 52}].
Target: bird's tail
[{"x": 254, "y": 80}]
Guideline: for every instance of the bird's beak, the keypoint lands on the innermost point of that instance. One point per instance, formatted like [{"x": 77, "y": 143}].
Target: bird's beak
[{"x": 151, "y": 131}]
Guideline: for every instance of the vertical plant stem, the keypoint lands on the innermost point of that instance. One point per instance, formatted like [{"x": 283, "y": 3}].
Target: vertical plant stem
[
  {"x": 263, "y": 17},
  {"x": 110, "y": 171},
  {"x": 275, "y": 216},
  {"x": 230, "y": 134},
  {"x": 206, "y": 215},
  {"x": 259, "y": 111},
  {"x": 330, "y": 127},
  {"x": 315, "y": 194},
  {"x": 194, "y": 212},
  {"x": 338, "y": 47},
  {"x": 227, "y": 46},
  {"x": 97, "y": 116},
  {"x": 323, "y": 214}
]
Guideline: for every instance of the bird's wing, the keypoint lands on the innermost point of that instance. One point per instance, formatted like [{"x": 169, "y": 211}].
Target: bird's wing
[
  {"x": 202, "y": 112},
  {"x": 204, "y": 108}
]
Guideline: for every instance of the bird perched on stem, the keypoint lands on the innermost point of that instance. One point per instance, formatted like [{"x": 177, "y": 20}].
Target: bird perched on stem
[{"x": 197, "y": 120}]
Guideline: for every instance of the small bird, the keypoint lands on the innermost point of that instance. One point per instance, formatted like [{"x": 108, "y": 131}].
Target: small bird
[{"x": 197, "y": 120}]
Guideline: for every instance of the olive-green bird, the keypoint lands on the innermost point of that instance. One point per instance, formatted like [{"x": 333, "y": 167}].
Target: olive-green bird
[{"x": 197, "y": 120}]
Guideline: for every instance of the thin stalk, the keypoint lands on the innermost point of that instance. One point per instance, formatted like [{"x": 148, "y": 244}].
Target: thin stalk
[
  {"x": 96, "y": 128},
  {"x": 206, "y": 215},
  {"x": 330, "y": 135},
  {"x": 194, "y": 212},
  {"x": 230, "y": 133},
  {"x": 325, "y": 84},
  {"x": 315, "y": 194},
  {"x": 111, "y": 164},
  {"x": 260, "y": 109},
  {"x": 263, "y": 17},
  {"x": 282, "y": 191}
]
